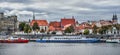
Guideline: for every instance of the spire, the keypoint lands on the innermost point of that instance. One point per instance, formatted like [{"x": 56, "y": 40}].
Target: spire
[
  {"x": 33, "y": 16},
  {"x": 114, "y": 17}
]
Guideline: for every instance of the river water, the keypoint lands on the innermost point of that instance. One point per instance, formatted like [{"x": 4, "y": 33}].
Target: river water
[{"x": 33, "y": 48}]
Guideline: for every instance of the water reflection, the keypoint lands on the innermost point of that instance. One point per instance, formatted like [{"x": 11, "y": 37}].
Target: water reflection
[{"x": 33, "y": 48}]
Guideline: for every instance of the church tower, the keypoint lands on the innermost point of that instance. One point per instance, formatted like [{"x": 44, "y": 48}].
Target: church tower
[{"x": 115, "y": 19}]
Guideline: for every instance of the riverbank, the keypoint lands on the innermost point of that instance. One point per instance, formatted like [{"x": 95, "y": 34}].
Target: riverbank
[{"x": 47, "y": 35}]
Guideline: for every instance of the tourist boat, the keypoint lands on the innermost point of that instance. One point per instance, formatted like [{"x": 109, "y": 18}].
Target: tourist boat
[
  {"x": 14, "y": 40},
  {"x": 68, "y": 39},
  {"x": 113, "y": 40}
]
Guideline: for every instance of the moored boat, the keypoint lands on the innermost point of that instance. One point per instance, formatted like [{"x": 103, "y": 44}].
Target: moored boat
[
  {"x": 14, "y": 40},
  {"x": 68, "y": 39},
  {"x": 113, "y": 40}
]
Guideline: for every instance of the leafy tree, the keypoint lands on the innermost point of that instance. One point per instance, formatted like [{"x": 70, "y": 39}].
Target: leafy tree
[
  {"x": 53, "y": 32},
  {"x": 42, "y": 31},
  {"x": 117, "y": 26},
  {"x": 100, "y": 31},
  {"x": 103, "y": 29},
  {"x": 35, "y": 26},
  {"x": 27, "y": 29},
  {"x": 21, "y": 26},
  {"x": 95, "y": 28},
  {"x": 69, "y": 29},
  {"x": 86, "y": 32}
]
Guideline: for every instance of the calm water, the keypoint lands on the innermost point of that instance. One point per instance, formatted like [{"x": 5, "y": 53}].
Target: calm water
[{"x": 33, "y": 48}]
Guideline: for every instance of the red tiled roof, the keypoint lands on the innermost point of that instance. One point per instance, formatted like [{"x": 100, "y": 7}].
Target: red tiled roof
[
  {"x": 65, "y": 21},
  {"x": 104, "y": 23},
  {"x": 84, "y": 26},
  {"x": 55, "y": 24},
  {"x": 51, "y": 28},
  {"x": 40, "y": 22}
]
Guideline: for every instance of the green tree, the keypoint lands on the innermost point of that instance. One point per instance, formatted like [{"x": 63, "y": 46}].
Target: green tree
[
  {"x": 27, "y": 29},
  {"x": 100, "y": 31},
  {"x": 21, "y": 26},
  {"x": 35, "y": 26},
  {"x": 42, "y": 31},
  {"x": 86, "y": 32},
  {"x": 117, "y": 26},
  {"x": 53, "y": 32},
  {"x": 69, "y": 29},
  {"x": 103, "y": 29},
  {"x": 95, "y": 28}
]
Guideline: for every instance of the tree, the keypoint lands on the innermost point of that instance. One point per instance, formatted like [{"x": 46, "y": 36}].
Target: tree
[
  {"x": 53, "y": 32},
  {"x": 117, "y": 26},
  {"x": 21, "y": 26},
  {"x": 27, "y": 29},
  {"x": 69, "y": 29},
  {"x": 103, "y": 29},
  {"x": 100, "y": 31},
  {"x": 86, "y": 32},
  {"x": 42, "y": 31},
  {"x": 35, "y": 26},
  {"x": 95, "y": 28}
]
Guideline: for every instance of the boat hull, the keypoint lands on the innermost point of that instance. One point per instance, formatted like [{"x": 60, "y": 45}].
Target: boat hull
[
  {"x": 13, "y": 41},
  {"x": 67, "y": 41}
]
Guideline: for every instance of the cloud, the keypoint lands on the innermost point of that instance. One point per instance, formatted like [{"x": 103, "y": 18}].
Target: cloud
[
  {"x": 56, "y": 9},
  {"x": 17, "y": 1}
]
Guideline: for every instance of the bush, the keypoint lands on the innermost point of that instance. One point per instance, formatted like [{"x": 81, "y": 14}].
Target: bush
[
  {"x": 86, "y": 32},
  {"x": 53, "y": 32}
]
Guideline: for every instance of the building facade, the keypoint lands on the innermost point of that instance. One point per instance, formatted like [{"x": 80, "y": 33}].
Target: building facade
[
  {"x": 8, "y": 24},
  {"x": 43, "y": 24}
]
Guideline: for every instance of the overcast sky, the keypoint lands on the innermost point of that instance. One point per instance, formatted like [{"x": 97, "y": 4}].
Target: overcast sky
[{"x": 52, "y": 10}]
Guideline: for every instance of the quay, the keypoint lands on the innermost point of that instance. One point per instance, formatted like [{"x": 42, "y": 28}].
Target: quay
[{"x": 47, "y": 35}]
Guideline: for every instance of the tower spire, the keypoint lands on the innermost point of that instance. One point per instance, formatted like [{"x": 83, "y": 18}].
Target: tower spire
[
  {"x": 33, "y": 16},
  {"x": 115, "y": 19}
]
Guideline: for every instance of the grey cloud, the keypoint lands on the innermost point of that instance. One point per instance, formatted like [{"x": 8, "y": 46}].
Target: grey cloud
[
  {"x": 17, "y": 1},
  {"x": 55, "y": 12}
]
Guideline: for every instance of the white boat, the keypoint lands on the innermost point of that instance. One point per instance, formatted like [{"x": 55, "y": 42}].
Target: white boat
[
  {"x": 113, "y": 41},
  {"x": 68, "y": 39}
]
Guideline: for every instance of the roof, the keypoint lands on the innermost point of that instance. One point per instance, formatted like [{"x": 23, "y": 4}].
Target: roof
[
  {"x": 55, "y": 24},
  {"x": 40, "y": 22},
  {"x": 84, "y": 26},
  {"x": 67, "y": 21},
  {"x": 104, "y": 23},
  {"x": 51, "y": 28}
]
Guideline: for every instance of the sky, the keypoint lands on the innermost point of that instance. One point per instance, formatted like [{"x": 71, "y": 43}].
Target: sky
[{"x": 54, "y": 10}]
